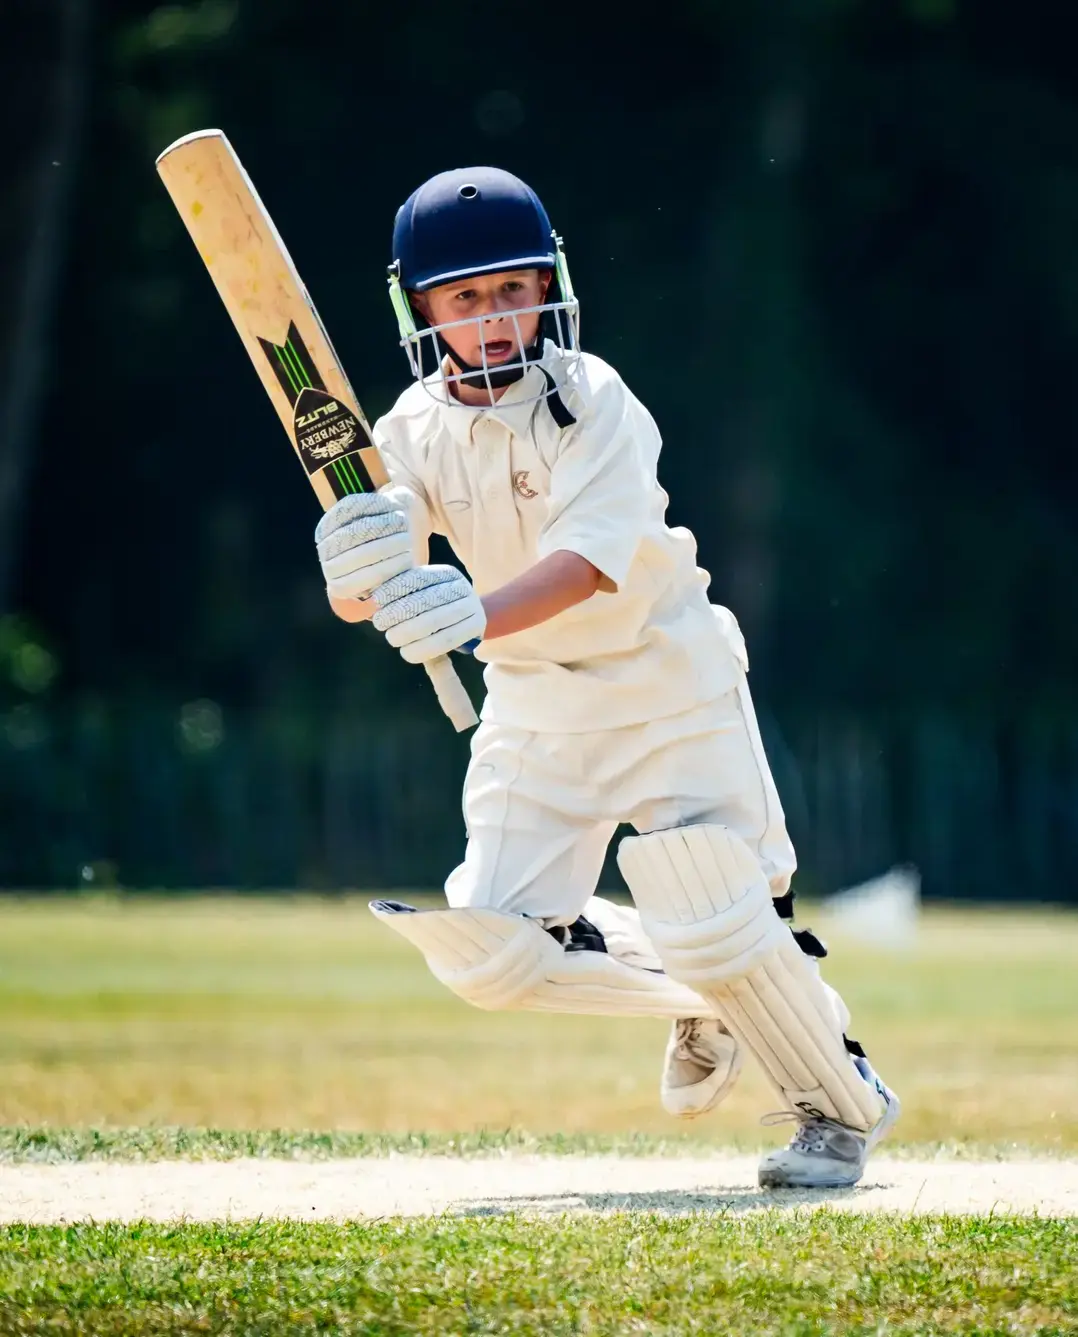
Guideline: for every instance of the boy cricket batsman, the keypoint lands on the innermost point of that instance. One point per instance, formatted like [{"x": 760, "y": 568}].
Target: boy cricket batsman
[{"x": 615, "y": 691}]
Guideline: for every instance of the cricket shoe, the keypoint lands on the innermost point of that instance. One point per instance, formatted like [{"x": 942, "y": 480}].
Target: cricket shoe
[
  {"x": 702, "y": 1063},
  {"x": 824, "y": 1153}
]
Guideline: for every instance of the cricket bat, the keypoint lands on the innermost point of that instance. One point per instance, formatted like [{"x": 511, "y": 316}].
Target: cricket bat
[{"x": 287, "y": 342}]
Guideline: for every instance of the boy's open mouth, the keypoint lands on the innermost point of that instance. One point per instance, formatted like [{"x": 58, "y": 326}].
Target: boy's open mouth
[{"x": 498, "y": 349}]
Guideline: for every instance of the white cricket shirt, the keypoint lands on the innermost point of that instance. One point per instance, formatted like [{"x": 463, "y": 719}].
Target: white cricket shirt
[{"x": 506, "y": 486}]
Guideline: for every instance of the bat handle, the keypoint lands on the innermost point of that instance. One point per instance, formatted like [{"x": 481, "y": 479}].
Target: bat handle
[{"x": 452, "y": 696}]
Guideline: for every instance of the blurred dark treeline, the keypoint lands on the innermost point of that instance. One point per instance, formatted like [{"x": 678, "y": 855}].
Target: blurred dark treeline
[{"x": 831, "y": 244}]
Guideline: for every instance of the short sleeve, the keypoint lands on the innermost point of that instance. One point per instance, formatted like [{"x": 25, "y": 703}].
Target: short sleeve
[{"x": 600, "y": 485}]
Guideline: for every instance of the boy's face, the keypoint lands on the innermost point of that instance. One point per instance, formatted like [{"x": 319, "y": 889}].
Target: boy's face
[{"x": 488, "y": 300}]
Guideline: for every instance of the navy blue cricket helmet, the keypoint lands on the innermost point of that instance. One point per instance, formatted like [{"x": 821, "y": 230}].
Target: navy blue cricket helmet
[
  {"x": 475, "y": 220},
  {"x": 469, "y": 222}
]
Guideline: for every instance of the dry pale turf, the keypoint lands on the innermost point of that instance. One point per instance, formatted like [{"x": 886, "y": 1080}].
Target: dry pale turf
[
  {"x": 298, "y": 1014},
  {"x": 491, "y": 1186},
  {"x": 306, "y": 1014}
]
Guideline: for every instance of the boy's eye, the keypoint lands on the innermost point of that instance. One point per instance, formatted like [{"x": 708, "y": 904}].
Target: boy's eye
[
  {"x": 514, "y": 285},
  {"x": 465, "y": 295}
]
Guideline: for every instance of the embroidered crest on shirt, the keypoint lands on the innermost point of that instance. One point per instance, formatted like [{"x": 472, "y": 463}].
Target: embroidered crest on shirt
[{"x": 521, "y": 485}]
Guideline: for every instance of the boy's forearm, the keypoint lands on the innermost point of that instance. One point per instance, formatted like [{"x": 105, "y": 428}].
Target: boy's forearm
[
  {"x": 548, "y": 588},
  {"x": 552, "y": 585}
]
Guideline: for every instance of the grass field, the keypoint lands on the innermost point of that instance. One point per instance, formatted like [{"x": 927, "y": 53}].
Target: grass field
[
  {"x": 141, "y": 1029},
  {"x": 306, "y": 1014},
  {"x": 629, "y": 1274}
]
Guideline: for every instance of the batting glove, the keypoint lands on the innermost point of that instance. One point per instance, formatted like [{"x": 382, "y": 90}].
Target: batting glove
[
  {"x": 428, "y": 611},
  {"x": 362, "y": 541}
]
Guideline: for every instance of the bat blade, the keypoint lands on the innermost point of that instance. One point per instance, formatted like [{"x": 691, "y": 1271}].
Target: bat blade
[
  {"x": 285, "y": 339},
  {"x": 271, "y": 309}
]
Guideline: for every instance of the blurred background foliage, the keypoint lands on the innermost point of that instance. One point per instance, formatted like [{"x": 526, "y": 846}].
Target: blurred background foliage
[{"x": 830, "y": 243}]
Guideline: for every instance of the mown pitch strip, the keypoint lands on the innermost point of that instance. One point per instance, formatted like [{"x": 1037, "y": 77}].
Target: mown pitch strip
[{"x": 375, "y": 1187}]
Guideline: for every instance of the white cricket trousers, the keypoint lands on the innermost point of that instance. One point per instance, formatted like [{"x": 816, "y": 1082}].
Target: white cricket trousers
[{"x": 541, "y": 809}]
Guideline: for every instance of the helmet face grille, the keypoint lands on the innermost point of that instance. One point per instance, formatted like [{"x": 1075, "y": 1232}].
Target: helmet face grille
[
  {"x": 429, "y": 352},
  {"x": 430, "y": 347}
]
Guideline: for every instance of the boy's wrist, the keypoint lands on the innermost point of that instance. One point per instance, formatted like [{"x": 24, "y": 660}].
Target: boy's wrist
[{"x": 352, "y": 610}]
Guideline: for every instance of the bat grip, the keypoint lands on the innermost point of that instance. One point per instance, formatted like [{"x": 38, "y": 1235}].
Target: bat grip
[{"x": 452, "y": 696}]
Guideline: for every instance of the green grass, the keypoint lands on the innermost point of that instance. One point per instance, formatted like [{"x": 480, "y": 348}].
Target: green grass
[
  {"x": 55, "y": 1146},
  {"x": 58, "y": 1145},
  {"x": 141, "y": 1029},
  {"x": 762, "y": 1274},
  {"x": 297, "y": 1013}
]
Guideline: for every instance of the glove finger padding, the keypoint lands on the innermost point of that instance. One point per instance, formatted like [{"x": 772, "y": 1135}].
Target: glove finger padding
[
  {"x": 415, "y": 591},
  {"x": 361, "y": 531},
  {"x": 362, "y": 541},
  {"x": 450, "y": 623},
  {"x": 428, "y": 611},
  {"x": 354, "y": 507},
  {"x": 359, "y": 571}
]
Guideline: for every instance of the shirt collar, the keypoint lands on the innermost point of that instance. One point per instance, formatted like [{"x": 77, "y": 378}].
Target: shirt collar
[{"x": 514, "y": 410}]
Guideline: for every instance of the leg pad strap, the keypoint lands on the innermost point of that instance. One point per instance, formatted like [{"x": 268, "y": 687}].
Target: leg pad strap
[{"x": 707, "y": 907}]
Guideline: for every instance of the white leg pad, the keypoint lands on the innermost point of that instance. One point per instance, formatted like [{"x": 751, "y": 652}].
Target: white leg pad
[
  {"x": 502, "y": 962},
  {"x": 706, "y": 906}
]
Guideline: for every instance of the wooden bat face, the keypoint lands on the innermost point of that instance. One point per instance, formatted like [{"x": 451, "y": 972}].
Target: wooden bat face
[
  {"x": 284, "y": 337},
  {"x": 273, "y": 314}
]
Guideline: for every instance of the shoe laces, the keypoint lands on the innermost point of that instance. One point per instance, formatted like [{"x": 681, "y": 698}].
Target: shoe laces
[
  {"x": 690, "y": 1046},
  {"x": 811, "y": 1134}
]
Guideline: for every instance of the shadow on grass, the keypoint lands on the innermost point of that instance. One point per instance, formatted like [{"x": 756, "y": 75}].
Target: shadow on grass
[{"x": 678, "y": 1202}]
